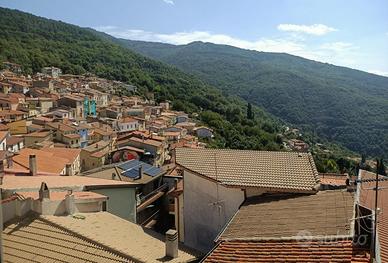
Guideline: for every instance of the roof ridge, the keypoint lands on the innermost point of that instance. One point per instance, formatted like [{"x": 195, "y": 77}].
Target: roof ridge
[{"x": 314, "y": 168}]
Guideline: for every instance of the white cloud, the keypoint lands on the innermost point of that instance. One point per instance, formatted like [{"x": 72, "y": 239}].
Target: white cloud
[
  {"x": 316, "y": 29},
  {"x": 170, "y": 2},
  {"x": 338, "y": 53},
  {"x": 181, "y": 38}
]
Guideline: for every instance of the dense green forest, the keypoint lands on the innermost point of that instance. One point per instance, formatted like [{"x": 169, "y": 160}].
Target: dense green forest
[
  {"x": 343, "y": 105},
  {"x": 36, "y": 42}
]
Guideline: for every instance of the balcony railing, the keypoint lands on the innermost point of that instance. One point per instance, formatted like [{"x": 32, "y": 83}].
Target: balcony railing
[{"x": 161, "y": 188}]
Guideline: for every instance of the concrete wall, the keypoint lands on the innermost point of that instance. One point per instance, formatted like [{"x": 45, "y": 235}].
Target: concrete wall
[
  {"x": 203, "y": 220},
  {"x": 19, "y": 208},
  {"x": 9, "y": 210},
  {"x": 121, "y": 202}
]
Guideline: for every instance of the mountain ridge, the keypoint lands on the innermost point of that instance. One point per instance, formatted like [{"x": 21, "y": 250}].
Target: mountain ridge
[{"x": 325, "y": 99}]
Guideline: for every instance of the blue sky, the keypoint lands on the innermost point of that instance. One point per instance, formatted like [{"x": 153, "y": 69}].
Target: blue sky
[{"x": 352, "y": 33}]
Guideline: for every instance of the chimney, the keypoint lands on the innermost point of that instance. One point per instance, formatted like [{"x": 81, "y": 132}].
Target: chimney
[
  {"x": 9, "y": 162},
  {"x": 70, "y": 202},
  {"x": 350, "y": 185},
  {"x": 68, "y": 169},
  {"x": 140, "y": 172},
  {"x": 32, "y": 162},
  {"x": 172, "y": 243},
  {"x": 44, "y": 192}
]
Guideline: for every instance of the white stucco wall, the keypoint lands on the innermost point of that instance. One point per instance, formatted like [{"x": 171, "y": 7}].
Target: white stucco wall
[{"x": 203, "y": 220}]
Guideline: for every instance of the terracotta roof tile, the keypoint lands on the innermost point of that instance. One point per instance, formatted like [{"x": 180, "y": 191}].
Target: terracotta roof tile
[
  {"x": 66, "y": 153},
  {"x": 287, "y": 251},
  {"x": 333, "y": 179},
  {"x": 3, "y": 134},
  {"x": 281, "y": 170},
  {"x": 146, "y": 141},
  {"x": 121, "y": 235},
  {"x": 36, "y": 240},
  {"x": 14, "y": 140},
  {"x": 38, "y": 134}
]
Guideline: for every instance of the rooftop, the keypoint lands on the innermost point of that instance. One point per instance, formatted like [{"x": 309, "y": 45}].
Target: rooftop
[
  {"x": 289, "y": 171},
  {"x": 333, "y": 179},
  {"x": 325, "y": 213},
  {"x": 3, "y": 134},
  {"x": 48, "y": 160},
  {"x": 38, "y": 134},
  {"x": 33, "y": 183},
  {"x": 35, "y": 239},
  {"x": 287, "y": 251},
  {"x": 137, "y": 243},
  {"x": 12, "y": 140},
  {"x": 146, "y": 141}
]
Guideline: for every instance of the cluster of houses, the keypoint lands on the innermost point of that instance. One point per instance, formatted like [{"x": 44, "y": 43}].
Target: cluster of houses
[{"x": 94, "y": 177}]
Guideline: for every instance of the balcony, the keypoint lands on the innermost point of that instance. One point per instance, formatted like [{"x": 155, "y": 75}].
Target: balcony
[{"x": 150, "y": 198}]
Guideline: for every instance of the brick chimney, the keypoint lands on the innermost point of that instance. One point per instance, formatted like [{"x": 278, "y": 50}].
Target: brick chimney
[
  {"x": 172, "y": 243},
  {"x": 32, "y": 164}
]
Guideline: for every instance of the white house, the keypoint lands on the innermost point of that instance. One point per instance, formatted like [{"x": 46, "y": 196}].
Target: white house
[
  {"x": 15, "y": 144},
  {"x": 217, "y": 181},
  {"x": 128, "y": 124},
  {"x": 3, "y": 140}
]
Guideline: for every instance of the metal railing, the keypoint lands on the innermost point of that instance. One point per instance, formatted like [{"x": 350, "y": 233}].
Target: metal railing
[{"x": 161, "y": 188}]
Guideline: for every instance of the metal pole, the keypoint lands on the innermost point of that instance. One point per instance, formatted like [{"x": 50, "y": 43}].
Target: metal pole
[{"x": 375, "y": 219}]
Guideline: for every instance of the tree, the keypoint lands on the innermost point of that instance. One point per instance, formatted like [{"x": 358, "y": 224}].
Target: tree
[{"x": 250, "y": 114}]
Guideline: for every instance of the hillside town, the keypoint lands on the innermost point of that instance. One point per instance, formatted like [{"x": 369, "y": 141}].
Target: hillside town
[{"x": 91, "y": 171}]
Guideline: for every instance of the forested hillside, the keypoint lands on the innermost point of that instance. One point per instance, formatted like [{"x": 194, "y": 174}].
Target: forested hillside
[
  {"x": 36, "y": 42},
  {"x": 341, "y": 104}
]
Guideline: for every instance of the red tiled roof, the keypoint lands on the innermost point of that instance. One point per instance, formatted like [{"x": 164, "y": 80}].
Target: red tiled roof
[
  {"x": 3, "y": 134},
  {"x": 14, "y": 140},
  {"x": 333, "y": 179},
  {"x": 287, "y": 251}
]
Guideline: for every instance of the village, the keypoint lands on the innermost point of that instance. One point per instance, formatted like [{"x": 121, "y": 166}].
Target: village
[{"x": 91, "y": 175}]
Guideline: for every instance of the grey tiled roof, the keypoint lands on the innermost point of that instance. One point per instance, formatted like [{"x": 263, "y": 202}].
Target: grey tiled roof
[
  {"x": 324, "y": 214},
  {"x": 242, "y": 168}
]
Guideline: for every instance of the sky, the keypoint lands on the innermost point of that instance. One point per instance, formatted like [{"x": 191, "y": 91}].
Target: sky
[{"x": 351, "y": 33}]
